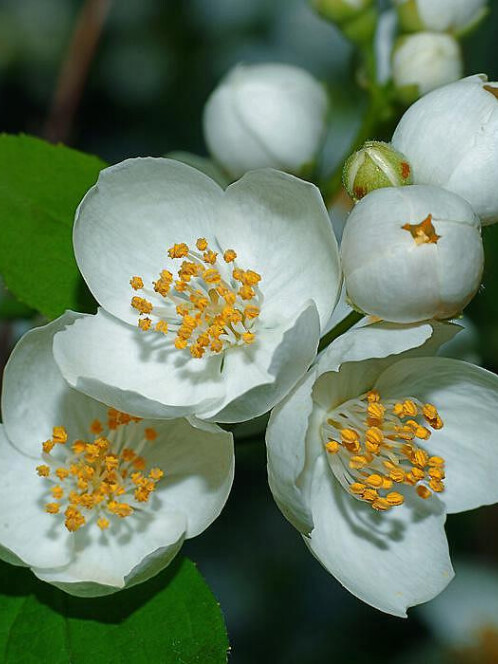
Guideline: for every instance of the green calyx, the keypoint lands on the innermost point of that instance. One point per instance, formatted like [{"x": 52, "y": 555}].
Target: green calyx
[{"x": 374, "y": 166}]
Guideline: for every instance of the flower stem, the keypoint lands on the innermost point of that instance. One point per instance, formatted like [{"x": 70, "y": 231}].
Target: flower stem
[{"x": 342, "y": 327}]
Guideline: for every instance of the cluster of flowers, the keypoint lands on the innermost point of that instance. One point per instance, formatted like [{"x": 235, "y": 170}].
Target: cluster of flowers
[
  {"x": 213, "y": 302},
  {"x": 420, "y": 38}
]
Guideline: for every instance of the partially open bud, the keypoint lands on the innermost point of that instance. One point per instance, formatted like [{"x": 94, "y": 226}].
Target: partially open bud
[
  {"x": 457, "y": 16},
  {"x": 266, "y": 115},
  {"x": 450, "y": 137},
  {"x": 411, "y": 254},
  {"x": 341, "y": 11},
  {"x": 373, "y": 166},
  {"x": 423, "y": 62}
]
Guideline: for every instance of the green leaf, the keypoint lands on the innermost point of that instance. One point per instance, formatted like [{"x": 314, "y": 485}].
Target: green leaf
[
  {"x": 41, "y": 186},
  {"x": 171, "y": 619}
]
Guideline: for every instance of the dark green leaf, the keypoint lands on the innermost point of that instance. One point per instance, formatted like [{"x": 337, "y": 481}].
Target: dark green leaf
[
  {"x": 171, "y": 619},
  {"x": 41, "y": 186}
]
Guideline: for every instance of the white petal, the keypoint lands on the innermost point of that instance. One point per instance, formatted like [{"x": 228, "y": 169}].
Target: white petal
[
  {"x": 279, "y": 226},
  {"x": 392, "y": 560},
  {"x": 466, "y": 397},
  {"x": 258, "y": 377},
  {"x": 198, "y": 470},
  {"x": 35, "y": 397},
  {"x": 136, "y": 373},
  {"x": 26, "y": 530},
  {"x": 292, "y": 445},
  {"x": 107, "y": 561},
  {"x": 128, "y": 220}
]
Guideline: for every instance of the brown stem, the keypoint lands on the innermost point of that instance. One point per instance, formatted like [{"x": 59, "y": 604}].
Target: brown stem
[{"x": 75, "y": 68}]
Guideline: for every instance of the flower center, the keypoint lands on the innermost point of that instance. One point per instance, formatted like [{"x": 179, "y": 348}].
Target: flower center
[
  {"x": 211, "y": 305},
  {"x": 371, "y": 448},
  {"x": 423, "y": 233},
  {"x": 99, "y": 477}
]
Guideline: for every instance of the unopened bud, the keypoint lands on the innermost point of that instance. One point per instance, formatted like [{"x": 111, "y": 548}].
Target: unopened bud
[
  {"x": 456, "y": 16},
  {"x": 450, "y": 137},
  {"x": 411, "y": 254},
  {"x": 423, "y": 62},
  {"x": 341, "y": 11},
  {"x": 374, "y": 166}
]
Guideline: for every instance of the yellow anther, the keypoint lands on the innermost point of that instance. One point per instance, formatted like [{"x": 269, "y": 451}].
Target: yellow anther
[
  {"x": 350, "y": 436},
  {"x": 251, "y": 312},
  {"x": 201, "y": 244},
  {"x": 229, "y": 256},
  {"x": 150, "y": 434},
  {"x": 387, "y": 483},
  {"x": 374, "y": 435},
  {"x": 432, "y": 416},
  {"x": 156, "y": 474},
  {"x": 139, "y": 463},
  {"x": 248, "y": 337},
  {"x": 178, "y": 250},
  {"x": 332, "y": 446},
  {"x": 52, "y": 508},
  {"x": 96, "y": 427},
  {"x": 436, "y": 485},
  {"x": 57, "y": 492},
  {"x": 381, "y": 505},
  {"x": 141, "y": 304},
  {"x": 246, "y": 292},
  {"x": 103, "y": 523},
  {"x": 144, "y": 324},
  {"x": 397, "y": 475},
  {"x": 373, "y": 396},
  {"x": 59, "y": 435},
  {"x": 358, "y": 461},
  {"x": 74, "y": 519},
  {"x": 423, "y": 492},
  {"x": 48, "y": 446},
  {"x": 410, "y": 408},
  {"x": 374, "y": 480},
  {"x": 136, "y": 283},
  {"x": 43, "y": 471},
  {"x": 120, "y": 509},
  {"x": 417, "y": 473},
  {"x": 370, "y": 495},
  {"x": 437, "y": 473},
  {"x": 251, "y": 278},
  {"x": 376, "y": 411},
  {"x": 358, "y": 488},
  {"x": 210, "y": 257},
  {"x": 394, "y": 498},
  {"x": 420, "y": 458},
  {"x": 180, "y": 344},
  {"x": 216, "y": 346}
]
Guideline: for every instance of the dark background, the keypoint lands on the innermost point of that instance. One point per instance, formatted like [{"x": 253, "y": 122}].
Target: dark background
[{"x": 154, "y": 67}]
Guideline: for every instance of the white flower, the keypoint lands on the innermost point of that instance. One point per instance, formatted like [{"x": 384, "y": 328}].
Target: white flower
[
  {"x": 464, "y": 618},
  {"x": 92, "y": 499},
  {"x": 450, "y": 137},
  {"x": 412, "y": 253},
  {"x": 425, "y": 61},
  {"x": 457, "y": 16},
  {"x": 231, "y": 323},
  {"x": 266, "y": 115},
  {"x": 375, "y": 425}
]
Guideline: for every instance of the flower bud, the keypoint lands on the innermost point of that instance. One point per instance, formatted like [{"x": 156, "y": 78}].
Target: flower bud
[
  {"x": 373, "y": 166},
  {"x": 411, "y": 254},
  {"x": 423, "y": 62},
  {"x": 457, "y": 16},
  {"x": 450, "y": 137},
  {"x": 266, "y": 115},
  {"x": 341, "y": 11}
]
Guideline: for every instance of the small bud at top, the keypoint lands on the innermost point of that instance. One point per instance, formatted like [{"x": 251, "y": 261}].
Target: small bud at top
[
  {"x": 341, "y": 11},
  {"x": 456, "y": 16},
  {"x": 373, "y": 166}
]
